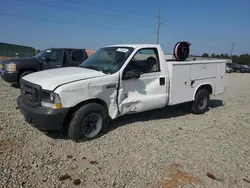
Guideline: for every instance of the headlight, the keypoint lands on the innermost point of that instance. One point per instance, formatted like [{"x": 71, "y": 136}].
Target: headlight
[
  {"x": 50, "y": 99},
  {"x": 11, "y": 67}
]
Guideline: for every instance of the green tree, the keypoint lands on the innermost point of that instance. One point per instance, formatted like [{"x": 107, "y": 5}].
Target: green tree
[
  {"x": 241, "y": 59},
  {"x": 222, "y": 56},
  {"x": 234, "y": 58},
  {"x": 244, "y": 59},
  {"x": 205, "y": 55}
]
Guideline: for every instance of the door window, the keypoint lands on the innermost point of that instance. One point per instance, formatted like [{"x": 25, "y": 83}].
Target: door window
[
  {"x": 52, "y": 57},
  {"x": 145, "y": 61},
  {"x": 55, "y": 58},
  {"x": 77, "y": 55}
]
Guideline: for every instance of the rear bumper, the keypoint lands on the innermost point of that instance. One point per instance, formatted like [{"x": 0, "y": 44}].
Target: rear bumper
[
  {"x": 9, "y": 77},
  {"x": 43, "y": 118}
]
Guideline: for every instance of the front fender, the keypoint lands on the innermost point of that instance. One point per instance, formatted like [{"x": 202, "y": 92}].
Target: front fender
[
  {"x": 92, "y": 89},
  {"x": 27, "y": 65}
]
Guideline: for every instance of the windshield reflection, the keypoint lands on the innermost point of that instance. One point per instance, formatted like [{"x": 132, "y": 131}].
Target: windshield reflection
[{"x": 108, "y": 59}]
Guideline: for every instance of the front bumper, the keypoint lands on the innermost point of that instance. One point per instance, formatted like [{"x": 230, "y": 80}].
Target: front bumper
[
  {"x": 43, "y": 118},
  {"x": 9, "y": 77}
]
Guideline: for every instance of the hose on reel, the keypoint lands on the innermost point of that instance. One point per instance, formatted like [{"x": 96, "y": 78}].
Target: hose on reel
[{"x": 181, "y": 50}]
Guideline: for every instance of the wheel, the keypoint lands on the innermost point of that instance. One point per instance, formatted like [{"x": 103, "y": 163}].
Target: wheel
[
  {"x": 87, "y": 122},
  {"x": 24, "y": 74},
  {"x": 200, "y": 104}
]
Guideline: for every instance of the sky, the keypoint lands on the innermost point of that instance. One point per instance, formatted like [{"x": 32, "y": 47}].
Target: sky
[{"x": 210, "y": 26}]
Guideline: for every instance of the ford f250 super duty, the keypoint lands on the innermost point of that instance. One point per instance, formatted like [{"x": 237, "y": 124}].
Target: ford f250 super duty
[
  {"x": 12, "y": 70},
  {"x": 116, "y": 80}
]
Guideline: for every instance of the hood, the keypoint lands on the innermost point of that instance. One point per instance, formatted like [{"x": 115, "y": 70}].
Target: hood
[
  {"x": 50, "y": 79},
  {"x": 17, "y": 59}
]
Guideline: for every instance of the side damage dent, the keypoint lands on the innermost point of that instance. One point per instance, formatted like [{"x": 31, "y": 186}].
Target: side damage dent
[
  {"x": 72, "y": 97},
  {"x": 106, "y": 95}
]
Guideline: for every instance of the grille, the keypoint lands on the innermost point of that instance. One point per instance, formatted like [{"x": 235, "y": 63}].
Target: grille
[{"x": 31, "y": 93}]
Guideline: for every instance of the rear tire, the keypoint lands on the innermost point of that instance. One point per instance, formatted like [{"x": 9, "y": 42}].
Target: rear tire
[
  {"x": 88, "y": 122},
  {"x": 200, "y": 104}
]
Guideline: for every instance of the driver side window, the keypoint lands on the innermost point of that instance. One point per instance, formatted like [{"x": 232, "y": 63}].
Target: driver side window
[
  {"x": 55, "y": 58},
  {"x": 144, "y": 61},
  {"x": 52, "y": 57}
]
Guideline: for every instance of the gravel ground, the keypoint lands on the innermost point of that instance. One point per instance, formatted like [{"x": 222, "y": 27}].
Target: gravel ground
[{"x": 162, "y": 148}]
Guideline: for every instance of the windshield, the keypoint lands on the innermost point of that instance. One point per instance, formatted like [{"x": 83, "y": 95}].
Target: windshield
[
  {"x": 42, "y": 54},
  {"x": 108, "y": 59}
]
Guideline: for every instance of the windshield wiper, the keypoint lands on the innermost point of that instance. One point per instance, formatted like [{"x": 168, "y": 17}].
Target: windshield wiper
[{"x": 95, "y": 68}]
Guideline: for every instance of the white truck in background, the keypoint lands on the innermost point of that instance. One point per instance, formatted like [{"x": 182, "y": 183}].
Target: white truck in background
[{"x": 114, "y": 81}]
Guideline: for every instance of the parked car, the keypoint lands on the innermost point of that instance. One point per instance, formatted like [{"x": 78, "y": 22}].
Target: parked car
[
  {"x": 229, "y": 69},
  {"x": 12, "y": 70},
  {"x": 236, "y": 67},
  {"x": 246, "y": 68},
  {"x": 115, "y": 81}
]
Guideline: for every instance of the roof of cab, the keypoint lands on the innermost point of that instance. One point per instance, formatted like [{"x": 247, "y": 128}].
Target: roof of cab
[
  {"x": 134, "y": 45},
  {"x": 66, "y": 48}
]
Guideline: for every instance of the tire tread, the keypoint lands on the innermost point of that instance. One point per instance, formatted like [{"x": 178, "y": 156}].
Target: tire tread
[{"x": 74, "y": 128}]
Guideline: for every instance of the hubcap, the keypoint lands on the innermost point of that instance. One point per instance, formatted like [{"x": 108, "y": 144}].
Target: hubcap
[
  {"x": 202, "y": 102},
  {"x": 92, "y": 125}
]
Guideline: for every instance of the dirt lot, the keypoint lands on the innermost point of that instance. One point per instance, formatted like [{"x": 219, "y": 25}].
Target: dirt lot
[{"x": 167, "y": 148}]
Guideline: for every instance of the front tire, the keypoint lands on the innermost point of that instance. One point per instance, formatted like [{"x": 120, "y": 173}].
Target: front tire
[
  {"x": 88, "y": 122},
  {"x": 200, "y": 104}
]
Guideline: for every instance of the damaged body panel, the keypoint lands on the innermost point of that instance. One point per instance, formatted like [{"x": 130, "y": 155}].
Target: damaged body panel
[
  {"x": 141, "y": 94},
  {"x": 94, "y": 88}
]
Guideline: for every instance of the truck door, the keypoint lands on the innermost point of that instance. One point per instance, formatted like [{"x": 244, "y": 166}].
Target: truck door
[
  {"x": 76, "y": 57},
  {"x": 147, "y": 92},
  {"x": 54, "y": 59}
]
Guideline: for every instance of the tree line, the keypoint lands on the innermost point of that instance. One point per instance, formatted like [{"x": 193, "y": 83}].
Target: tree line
[{"x": 241, "y": 59}]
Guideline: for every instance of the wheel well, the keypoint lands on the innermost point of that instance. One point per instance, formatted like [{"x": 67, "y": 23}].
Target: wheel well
[
  {"x": 76, "y": 107},
  {"x": 208, "y": 87}
]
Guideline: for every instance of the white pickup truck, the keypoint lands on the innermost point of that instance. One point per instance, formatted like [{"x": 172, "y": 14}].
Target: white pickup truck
[{"x": 114, "y": 81}]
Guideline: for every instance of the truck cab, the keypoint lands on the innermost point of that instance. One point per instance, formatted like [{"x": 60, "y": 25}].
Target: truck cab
[
  {"x": 12, "y": 70},
  {"x": 116, "y": 80}
]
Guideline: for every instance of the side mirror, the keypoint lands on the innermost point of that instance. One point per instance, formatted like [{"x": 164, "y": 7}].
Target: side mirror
[
  {"x": 131, "y": 74},
  {"x": 45, "y": 60}
]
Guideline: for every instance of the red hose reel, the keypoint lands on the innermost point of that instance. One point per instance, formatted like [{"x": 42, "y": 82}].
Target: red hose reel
[{"x": 181, "y": 50}]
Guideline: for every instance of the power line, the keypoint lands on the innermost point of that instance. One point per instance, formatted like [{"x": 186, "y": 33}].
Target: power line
[
  {"x": 94, "y": 5},
  {"x": 78, "y": 10},
  {"x": 179, "y": 25},
  {"x": 67, "y": 23},
  {"x": 32, "y": 18}
]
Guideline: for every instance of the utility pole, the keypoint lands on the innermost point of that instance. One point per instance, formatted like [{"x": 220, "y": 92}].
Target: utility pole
[
  {"x": 158, "y": 26},
  {"x": 232, "y": 51}
]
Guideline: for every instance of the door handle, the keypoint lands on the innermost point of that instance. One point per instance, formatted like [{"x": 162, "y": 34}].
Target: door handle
[{"x": 162, "y": 81}]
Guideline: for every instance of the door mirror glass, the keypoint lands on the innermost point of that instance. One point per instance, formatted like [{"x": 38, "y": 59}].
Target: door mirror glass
[
  {"x": 131, "y": 74},
  {"x": 45, "y": 60}
]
